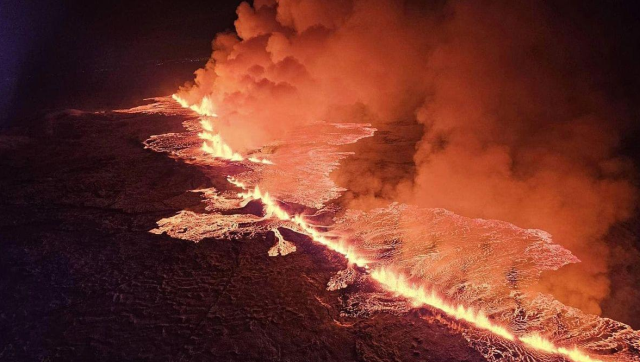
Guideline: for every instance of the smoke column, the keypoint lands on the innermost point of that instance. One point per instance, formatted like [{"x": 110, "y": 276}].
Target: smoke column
[{"x": 515, "y": 124}]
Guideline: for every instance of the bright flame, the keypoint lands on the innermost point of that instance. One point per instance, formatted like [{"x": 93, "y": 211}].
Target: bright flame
[
  {"x": 205, "y": 108},
  {"x": 213, "y": 143},
  {"x": 272, "y": 209},
  {"x": 536, "y": 341},
  {"x": 400, "y": 285},
  {"x": 392, "y": 281},
  {"x": 257, "y": 160}
]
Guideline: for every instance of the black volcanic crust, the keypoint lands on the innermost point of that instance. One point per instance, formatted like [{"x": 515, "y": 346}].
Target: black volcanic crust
[{"x": 81, "y": 278}]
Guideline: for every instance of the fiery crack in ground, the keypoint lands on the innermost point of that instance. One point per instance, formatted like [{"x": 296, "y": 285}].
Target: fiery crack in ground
[{"x": 431, "y": 258}]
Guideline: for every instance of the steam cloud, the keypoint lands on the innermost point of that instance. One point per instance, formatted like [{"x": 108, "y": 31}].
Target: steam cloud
[{"x": 514, "y": 124}]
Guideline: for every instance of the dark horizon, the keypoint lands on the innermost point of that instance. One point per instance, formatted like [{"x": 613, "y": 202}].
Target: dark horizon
[{"x": 55, "y": 54}]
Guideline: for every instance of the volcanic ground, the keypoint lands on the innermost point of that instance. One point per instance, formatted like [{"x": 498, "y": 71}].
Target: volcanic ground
[{"x": 81, "y": 277}]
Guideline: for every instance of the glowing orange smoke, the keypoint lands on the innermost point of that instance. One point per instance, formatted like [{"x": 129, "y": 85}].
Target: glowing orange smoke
[{"x": 389, "y": 279}]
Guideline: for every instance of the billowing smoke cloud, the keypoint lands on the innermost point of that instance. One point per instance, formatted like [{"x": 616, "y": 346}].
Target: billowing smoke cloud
[
  {"x": 295, "y": 62},
  {"x": 517, "y": 131},
  {"x": 504, "y": 95}
]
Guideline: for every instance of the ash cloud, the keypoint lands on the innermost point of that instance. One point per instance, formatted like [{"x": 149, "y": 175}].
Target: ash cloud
[{"x": 510, "y": 100}]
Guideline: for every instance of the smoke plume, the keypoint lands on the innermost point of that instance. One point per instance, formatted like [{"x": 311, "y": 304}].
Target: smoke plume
[{"x": 513, "y": 122}]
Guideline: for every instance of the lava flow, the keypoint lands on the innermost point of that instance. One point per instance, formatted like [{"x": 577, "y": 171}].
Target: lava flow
[
  {"x": 393, "y": 281},
  {"x": 399, "y": 285}
]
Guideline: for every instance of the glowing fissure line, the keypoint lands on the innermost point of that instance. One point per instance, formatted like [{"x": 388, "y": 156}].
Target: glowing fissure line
[
  {"x": 272, "y": 209},
  {"x": 400, "y": 285},
  {"x": 205, "y": 108},
  {"x": 392, "y": 281},
  {"x": 538, "y": 342},
  {"x": 213, "y": 143}
]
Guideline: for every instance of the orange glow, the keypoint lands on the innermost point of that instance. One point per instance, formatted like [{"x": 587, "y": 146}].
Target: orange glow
[
  {"x": 389, "y": 279},
  {"x": 282, "y": 247},
  {"x": 205, "y": 108},
  {"x": 213, "y": 143},
  {"x": 272, "y": 209},
  {"x": 539, "y": 343},
  {"x": 400, "y": 285}
]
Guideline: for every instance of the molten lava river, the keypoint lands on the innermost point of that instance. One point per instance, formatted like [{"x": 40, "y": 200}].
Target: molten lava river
[{"x": 470, "y": 272}]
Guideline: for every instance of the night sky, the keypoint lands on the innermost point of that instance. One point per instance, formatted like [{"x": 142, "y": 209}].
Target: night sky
[{"x": 75, "y": 54}]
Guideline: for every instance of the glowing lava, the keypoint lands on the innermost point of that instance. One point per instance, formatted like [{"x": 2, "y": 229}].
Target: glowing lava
[
  {"x": 205, "y": 108},
  {"x": 272, "y": 209},
  {"x": 539, "y": 343},
  {"x": 399, "y": 284},
  {"x": 387, "y": 278},
  {"x": 213, "y": 143}
]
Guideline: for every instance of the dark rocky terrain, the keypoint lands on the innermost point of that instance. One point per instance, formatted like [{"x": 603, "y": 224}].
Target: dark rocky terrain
[{"x": 82, "y": 279}]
